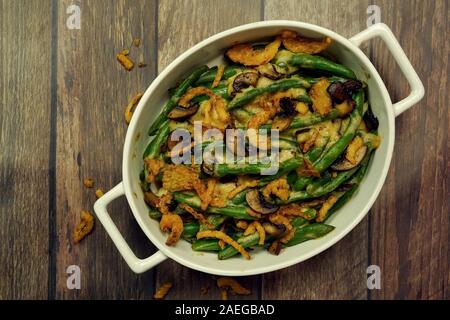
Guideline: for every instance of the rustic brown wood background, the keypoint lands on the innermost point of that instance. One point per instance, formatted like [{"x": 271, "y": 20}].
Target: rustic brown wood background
[{"x": 61, "y": 119}]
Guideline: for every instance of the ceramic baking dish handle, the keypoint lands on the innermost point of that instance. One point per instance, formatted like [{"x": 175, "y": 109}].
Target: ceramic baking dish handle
[
  {"x": 383, "y": 31},
  {"x": 136, "y": 264}
]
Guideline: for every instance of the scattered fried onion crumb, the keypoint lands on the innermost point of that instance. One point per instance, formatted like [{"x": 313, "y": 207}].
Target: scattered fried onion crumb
[
  {"x": 204, "y": 290},
  {"x": 278, "y": 187},
  {"x": 99, "y": 193},
  {"x": 243, "y": 183},
  {"x": 200, "y": 217},
  {"x": 222, "y": 236},
  {"x": 126, "y": 62},
  {"x": 88, "y": 182},
  {"x": 325, "y": 207},
  {"x": 174, "y": 224},
  {"x": 233, "y": 284},
  {"x": 130, "y": 106},
  {"x": 84, "y": 227},
  {"x": 295, "y": 43},
  {"x": 223, "y": 295},
  {"x": 278, "y": 219},
  {"x": 137, "y": 42},
  {"x": 253, "y": 227},
  {"x": 320, "y": 97},
  {"x": 142, "y": 64},
  {"x": 248, "y": 56},
  {"x": 162, "y": 291}
]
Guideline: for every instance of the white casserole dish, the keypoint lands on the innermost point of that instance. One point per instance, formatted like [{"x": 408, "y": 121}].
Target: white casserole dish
[{"x": 210, "y": 51}]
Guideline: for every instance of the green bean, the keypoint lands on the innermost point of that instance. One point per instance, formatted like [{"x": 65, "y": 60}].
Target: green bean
[
  {"x": 295, "y": 196},
  {"x": 285, "y": 167},
  {"x": 210, "y": 75},
  {"x": 240, "y": 197},
  {"x": 221, "y": 91},
  {"x": 190, "y": 229},
  {"x": 299, "y": 222},
  {"x": 312, "y": 119},
  {"x": 312, "y": 155},
  {"x": 247, "y": 96},
  {"x": 182, "y": 88},
  {"x": 154, "y": 214},
  {"x": 332, "y": 184},
  {"x": 246, "y": 241},
  {"x": 214, "y": 220},
  {"x": 307, "y": 61},
  {"x": 312, "y": 80},
  {"x": 206, "y": 245},
  {"x": 154, "y": 147},
  {"x": 238, "y": 212},
  {"x": 224, "y": 169},
  {"x": 309, "y": 232}
]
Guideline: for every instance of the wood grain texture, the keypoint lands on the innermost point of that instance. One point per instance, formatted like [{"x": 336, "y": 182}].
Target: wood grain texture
[
  {"x": 178, "y": 31},
  {"x": 340, "y": 272},
  {"x": 410, "y": 220},
  {"x": 93, "y": 90},
  {"x": 25, "y": 46}
]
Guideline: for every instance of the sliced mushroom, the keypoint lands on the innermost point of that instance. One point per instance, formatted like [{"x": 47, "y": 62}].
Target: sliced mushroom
[
  {"x": 370, "y": 120},
  {"x": 268, "y": 70},
  {"x": 275, "y": 248},
  {"x": 257, "y": 202},
  {"x": 243, "y": 81},
  {"x": 274, "y": 230},
  {"x": 343, "y": 164},
  {"x": 180, "y": 112},
  {"x": 341, "y": 91},
  {"x": 287, "y": 106}
]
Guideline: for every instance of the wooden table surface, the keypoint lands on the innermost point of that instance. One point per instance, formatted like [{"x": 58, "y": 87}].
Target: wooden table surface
[{"x": 62, "y": 102}]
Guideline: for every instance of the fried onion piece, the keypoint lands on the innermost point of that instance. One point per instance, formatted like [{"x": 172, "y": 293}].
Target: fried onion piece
[
  {"x": 278, "y": 219},
  {"x": 278, "y": 187},
  {"x": 270, "y": 110},
  {"x": 162, "y": 203},
  {"x": 179, "y": 178},
  {"x": 126, "y": 62},
  {"x": 294, "y": 209},
  {"x": 253, "y": 227},
  {"x": 233, "y": 284},
  {"x": 207, "y": 196},
  {"x": 221, "y": 242},
  {"x": 153, "y": 167},
  {"x": 245, "y": 53},
  {"x": 241, "y": 224},
  {"x": 84, "y": 227},
  {"x": 243, "y": 183},
  {"x": 214, "y": 111},
  {"x": 352, "y": 150},
  {"x": 321, "y": 99},
  {"x": 129, "y": 109},
  {"x": 307, "y": 169},
  {"x": 162, "y": 291},
  {"x": 222, "y": 236},
  {"x": 174, "y": 224},
  {"x": 325, "y": 207},
  {"x": 295, "y": 43},
  {"x": 313, "y": 135},
  {"x": 197, "y": 215},
  {"x": 219, "y": 75},
  {"x": 253, "y": 213}
]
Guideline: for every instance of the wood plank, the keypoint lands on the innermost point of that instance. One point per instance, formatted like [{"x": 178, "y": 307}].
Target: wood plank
[
  {"x": 340, "y": 272},
  {"x": 93, "y": 90},
  {"x": 25, "y": 108},
  {"x": 410, "y": 220},
  {"x": 178, "y": 31}
]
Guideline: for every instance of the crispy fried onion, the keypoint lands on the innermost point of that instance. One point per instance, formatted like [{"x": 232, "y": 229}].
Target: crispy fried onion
[
  {"x": 214, "y": 113},
  {"x": 352, "y": 150},
  {"x": 84, "y": 227},
  {"x": 269, "y": 111},
  {"x": 253, "y": 213},
  {"x": 320, "y": 97},
  {"x": 200, "y": 217},
  {"x": 278, "y": 219},
  {"x": 126, "y": 62},
  {"x": 182, "y": 178},
  {"x": 174, "y": 224},
  {"x": 307, "y": 169},
  {"x": 242, "y": 184},
  {"x": 153, "y": 167},
  {"x": 278, "y": 187},
  {"x": 245, "y": 53},
  {"x": 130, "y": 106},
  {"x": 294, "y": 209},
  {"x": 313, "y": 135},
  {"x": 253, "y": 227},
  {"x": 234, "y": 285},
  {"x": 222, "y": 236},
  {"x": 219, "y": 75},
  {"x": 162, "y": 291},
  {"x": 325, "y": 207},
  {"x": 241, "y": 224},
  {"x": 295, "y": 43}
]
